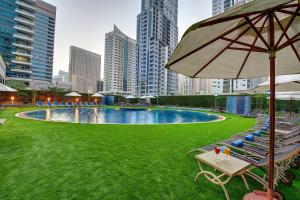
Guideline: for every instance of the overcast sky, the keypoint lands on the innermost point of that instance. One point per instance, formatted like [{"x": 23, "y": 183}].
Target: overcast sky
[{"x": 83, "y": 23}]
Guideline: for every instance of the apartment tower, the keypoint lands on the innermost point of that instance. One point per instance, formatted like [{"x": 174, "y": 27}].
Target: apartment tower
[
  {"x": 43, "y": 45},
  {"x": 84, "y": 70},
  {"x": 119, "y": 62},
  {"x": 157, "y": 36}
]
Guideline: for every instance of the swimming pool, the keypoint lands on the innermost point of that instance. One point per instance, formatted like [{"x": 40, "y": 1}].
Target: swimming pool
[{"x": 120, "y": 116}]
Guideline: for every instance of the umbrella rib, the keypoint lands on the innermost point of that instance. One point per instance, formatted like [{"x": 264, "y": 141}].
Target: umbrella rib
[
  {"x": 287, "y": 37},
  {"x": 288, "y": 12},
  {"x": 224, "y": 49},
  {"x": 247, "y": 49},
  {"x": 244, "y": 44},
  {"x": 257, "y": 33},
  {"x": 294, "y": 39},
  {"x": 213, "y": 40},
  {"x": 248, "y": 54},
  {"x": 287, "y": 27}
]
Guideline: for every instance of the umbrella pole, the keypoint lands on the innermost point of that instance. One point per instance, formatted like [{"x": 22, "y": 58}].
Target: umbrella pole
[{"x": 272, "y": 57}]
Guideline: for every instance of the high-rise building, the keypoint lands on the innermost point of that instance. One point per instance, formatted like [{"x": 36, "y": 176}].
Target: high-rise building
[
  {"x": 26, "y": 39},
  {"x": 16, "y": 37},
  {"x": 43, "y": 45},
  {"x": 84, "y": 70},
  {"x": 229, "y": 85},
  {"x": 119, "y": 62},
  {"x": 157, "y": 36},
  {"x": 2, "y": 70}
]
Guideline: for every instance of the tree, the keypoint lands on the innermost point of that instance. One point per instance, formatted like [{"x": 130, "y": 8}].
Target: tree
[{"x": 18, "y": 85}]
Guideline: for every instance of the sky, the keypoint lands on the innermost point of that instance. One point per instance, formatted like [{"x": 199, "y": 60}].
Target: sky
[{"x": 83, "y": 23}]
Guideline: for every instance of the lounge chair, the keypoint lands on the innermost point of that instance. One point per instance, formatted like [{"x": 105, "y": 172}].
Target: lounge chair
[
  {"x": 82, "y": 104},
  {"x": 56, "y": 104},
  {"x": 70, "y": 104},
  {"x": 90, "y": 104},
  {"x": 48, "y": 104},
  {"x": 63, "y": 104},
  {"x": 95, "y": 104},
  {"x": 40, "y": 104},
  {"x": 77, "y": 104}
]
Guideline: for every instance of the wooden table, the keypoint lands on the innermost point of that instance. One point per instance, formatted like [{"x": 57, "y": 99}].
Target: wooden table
[{"x": 228, "y": 168}]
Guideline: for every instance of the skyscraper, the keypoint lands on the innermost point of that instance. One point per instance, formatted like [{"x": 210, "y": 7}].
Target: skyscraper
[
  {"x": 84, "y": 70},
  {"x": 119, "y": 62},
  {"x": 26, "y": 39},
  {"x": 157, "y": 36},
  {"x": 43, "y": 45},
  {"x": 16, "y": 37}
]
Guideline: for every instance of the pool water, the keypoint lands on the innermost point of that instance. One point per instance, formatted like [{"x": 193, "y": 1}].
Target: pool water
[{"x": 119, "y": 116}]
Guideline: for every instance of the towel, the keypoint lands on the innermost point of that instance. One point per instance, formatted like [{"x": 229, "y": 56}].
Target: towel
[
  {"x": 238, "y": 143},
  {"x": 249, "y": 138},
  {"x": 256, "y": 133},
  {"x": 264, "y": 128}
]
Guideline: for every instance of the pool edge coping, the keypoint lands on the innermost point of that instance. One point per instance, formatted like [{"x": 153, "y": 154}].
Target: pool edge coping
[{"x": 21, "y": 115}]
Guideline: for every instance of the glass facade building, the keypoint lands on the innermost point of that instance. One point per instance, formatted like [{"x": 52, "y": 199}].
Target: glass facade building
[
  {"x": 43, "y": 45},
  {"x": 21, "y": 23},
  {"x": 16, "y": 37}
]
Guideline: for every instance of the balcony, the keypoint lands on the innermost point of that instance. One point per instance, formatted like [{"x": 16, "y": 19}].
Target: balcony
[
  {"x": 22, "y": 54},
  {"x": 24, "y": 21},
  {"x": 23, "y": 29},
  {"x": 21, "y": 70},
  {"x": 21, "y": 62},
  {"x": 26, "y": 79},
  {"x": 25, "y": 13},
  {"x": 23, "y": 37},
  {"x": 25, "y": 5},
  {"x": 23, "y": 46}
]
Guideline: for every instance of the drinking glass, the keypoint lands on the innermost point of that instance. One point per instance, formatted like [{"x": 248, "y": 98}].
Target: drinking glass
[
  {"x": 227, "y": 153},
  {"x": 217, "y": 151}
]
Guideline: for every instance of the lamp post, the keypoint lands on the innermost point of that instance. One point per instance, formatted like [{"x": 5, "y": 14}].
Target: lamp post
[
  {"x": 12, "y": 98},
  {"x": 216, "y": 96}
]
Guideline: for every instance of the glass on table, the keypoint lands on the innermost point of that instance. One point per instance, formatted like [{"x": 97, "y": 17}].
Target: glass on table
[
  {"x": 217, "y": 151},
  {"x": 227, "y": 153}
]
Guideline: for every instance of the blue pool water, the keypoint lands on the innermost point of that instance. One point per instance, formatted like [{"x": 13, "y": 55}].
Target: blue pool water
[{"x": 119, "y": 116}]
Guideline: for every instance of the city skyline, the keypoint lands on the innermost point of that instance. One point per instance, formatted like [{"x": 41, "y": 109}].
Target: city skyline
[{"x": 69, "y": 15}]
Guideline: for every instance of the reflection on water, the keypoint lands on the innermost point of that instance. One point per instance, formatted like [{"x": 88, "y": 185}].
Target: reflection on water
[{"x": 120, "y": 116}]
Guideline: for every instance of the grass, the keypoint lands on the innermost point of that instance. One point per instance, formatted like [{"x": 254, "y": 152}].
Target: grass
[{"x": 46, "y": 160}]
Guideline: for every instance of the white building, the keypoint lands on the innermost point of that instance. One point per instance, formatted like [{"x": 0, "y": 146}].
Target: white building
[
  {"x": 84, "y": 70},
  {"x": 157, "y": 36},
  {"x": 119, "y": 62}
]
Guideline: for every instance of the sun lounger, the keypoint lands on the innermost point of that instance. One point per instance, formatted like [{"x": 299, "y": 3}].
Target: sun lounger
[
  {"x": 63, "y": 104},
  {"x": 70, "y": 104},
  {"x": 40, "y": 104},
  {"x": 56, "y": 104},
  {"x": 90, "y": 104},
  {"x": 48, "y": 104}
]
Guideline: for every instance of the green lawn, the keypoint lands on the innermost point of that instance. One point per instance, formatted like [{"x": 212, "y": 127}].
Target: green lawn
[{"x": 46, "y": 160}]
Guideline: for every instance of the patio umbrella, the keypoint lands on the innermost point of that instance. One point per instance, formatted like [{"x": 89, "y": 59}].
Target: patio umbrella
[
  {"x": 282, "y": 83},
  {"x": 288, "y": 97},
  {"x": 73, "y": 94},
  {"x": 150, "y": 97},
  {"x": 97, "y": 95},
  {"x": 130, "y": 97},
  {"x": 260, "y": 38},
  {"x": 5, "y": 88},
  {"x": 143, "y": 97}
]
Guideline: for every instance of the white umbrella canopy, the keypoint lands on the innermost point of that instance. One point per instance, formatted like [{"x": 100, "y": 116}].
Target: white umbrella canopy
[
  {"x": 143, "y": 97},
  {"x": 5, "y": 88},
  {"x": 150, "y": 97},
  {"x": 130, "y": 97},
  {"x": 97, "y": 95},
  {"x": 258, "y": 39},
  {"x": 283, "y": 83},
  {"x": 221, "y": 45},
  {"x": 73, "y": 94},
  {"x": 287, "y": 97}
]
